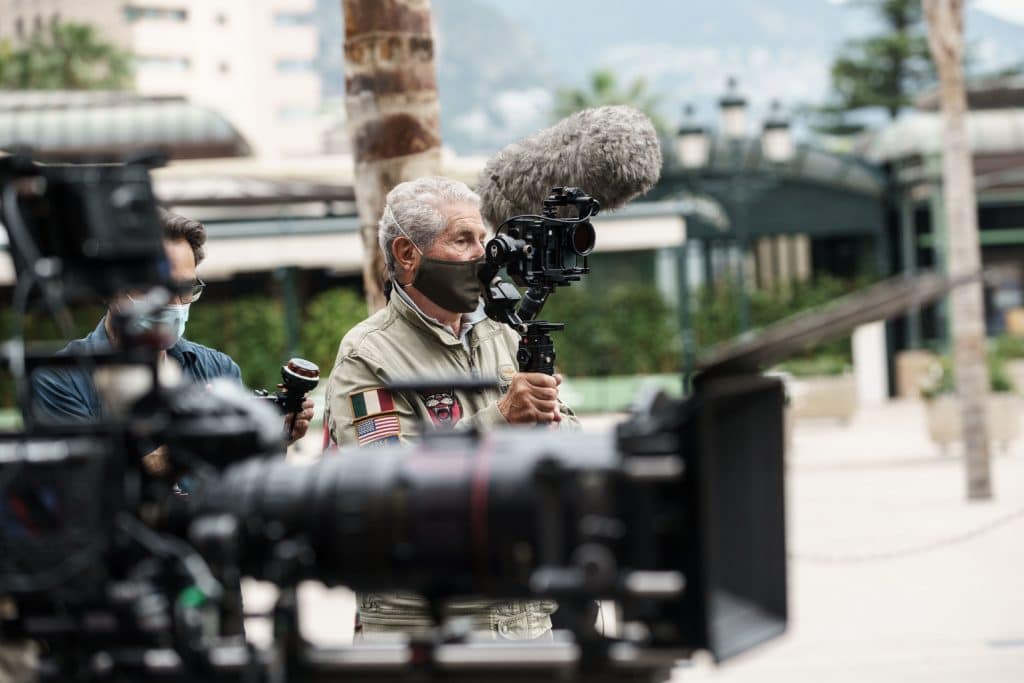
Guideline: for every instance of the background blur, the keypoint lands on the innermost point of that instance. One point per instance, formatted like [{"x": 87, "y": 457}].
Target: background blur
[{"x": 802, "y": 145}]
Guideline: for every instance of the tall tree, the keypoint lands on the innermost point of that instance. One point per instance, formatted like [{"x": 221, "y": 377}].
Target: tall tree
[
  {"x": 67, "y": 56},
  {"x": 603, "y": 89},
  {"x": 883, "y": 70},
  {"x": 946, "y": 40},
  {"x": 393, "y": 110}
]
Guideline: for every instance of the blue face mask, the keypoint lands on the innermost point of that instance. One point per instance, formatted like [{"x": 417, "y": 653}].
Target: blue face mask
[{"x": 171, "y": 318}]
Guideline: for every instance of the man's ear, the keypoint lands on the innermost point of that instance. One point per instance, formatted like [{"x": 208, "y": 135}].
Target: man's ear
[{"x": 405, "y": 254}]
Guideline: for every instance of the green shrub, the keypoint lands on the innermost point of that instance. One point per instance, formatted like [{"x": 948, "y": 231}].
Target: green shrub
[
  {"x": 716, "y": 318},
  {"x": 327, "y": 318},
  {"x": 251, "y": 330},
  {"x": 621, "y": 330},
  {"x": 941, "y": 379},
  {"x": 1009, "y": 347},
  {"x": 41, "y": 328}
]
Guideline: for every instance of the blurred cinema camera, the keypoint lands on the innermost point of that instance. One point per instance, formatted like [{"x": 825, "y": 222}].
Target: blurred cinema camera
[{"x": 677, "y": 517}]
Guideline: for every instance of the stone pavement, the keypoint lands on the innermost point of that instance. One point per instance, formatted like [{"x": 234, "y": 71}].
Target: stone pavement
[{"x": 894, "y": 576}]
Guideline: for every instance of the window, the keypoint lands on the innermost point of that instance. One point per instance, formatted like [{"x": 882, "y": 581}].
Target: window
[
  {"x": 135, "y": 13},
  {"x": 163, "y": 63},
  {"x": 293, "y": 19},
  {"x": 222, "y": 18},
  {"x": 19, "y": 27},
  {"x": 290, "y": 66},
  {"x": 224, "y": 67}
]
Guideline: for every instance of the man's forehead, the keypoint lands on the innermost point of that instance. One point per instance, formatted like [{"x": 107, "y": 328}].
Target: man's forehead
[{"x": 465, "y": 217}]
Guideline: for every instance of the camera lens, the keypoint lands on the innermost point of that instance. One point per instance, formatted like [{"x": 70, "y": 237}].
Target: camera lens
[{"x": 581, "y": 238}]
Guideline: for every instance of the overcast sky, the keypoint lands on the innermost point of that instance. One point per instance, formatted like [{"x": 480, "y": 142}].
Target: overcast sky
[{"x": 1011, "y": 10}]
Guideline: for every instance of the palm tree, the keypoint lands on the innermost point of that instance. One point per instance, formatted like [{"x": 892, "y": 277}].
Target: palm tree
[
  {"x": 393, "y": 111},
  {"x": 604, "y": 90},
  {"x": 946, "y": 41},
  {"x": 68, "y": 56}
]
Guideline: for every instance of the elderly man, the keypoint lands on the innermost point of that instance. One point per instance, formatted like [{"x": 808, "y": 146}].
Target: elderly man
[{"x": 432, "y": 236}]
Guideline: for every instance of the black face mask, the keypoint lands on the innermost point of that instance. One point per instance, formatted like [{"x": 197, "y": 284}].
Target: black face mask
[{"x": 453, "y": 285}]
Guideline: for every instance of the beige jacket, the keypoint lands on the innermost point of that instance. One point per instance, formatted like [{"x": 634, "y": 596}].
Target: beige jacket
[{"x": 400, "y": 343}]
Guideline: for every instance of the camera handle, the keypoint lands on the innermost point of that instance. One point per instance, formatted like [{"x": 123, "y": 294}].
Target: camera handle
[
  {"x": 504, "y": 303},
  {"x": 536, "y": 351}
]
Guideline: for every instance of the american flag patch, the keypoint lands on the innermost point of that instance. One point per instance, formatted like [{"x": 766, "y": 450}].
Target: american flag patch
[{"x": 376, "y": 428}]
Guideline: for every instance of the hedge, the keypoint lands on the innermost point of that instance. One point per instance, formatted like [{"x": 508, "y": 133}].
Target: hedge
[{"x": 622, "y": 329}]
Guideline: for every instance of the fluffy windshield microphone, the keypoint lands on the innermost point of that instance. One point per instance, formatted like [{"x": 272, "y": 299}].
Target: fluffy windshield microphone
[{"x": 612, "y": 153}]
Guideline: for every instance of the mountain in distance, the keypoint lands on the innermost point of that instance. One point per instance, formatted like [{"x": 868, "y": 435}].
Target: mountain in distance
[{"x": 500, "y": 61}]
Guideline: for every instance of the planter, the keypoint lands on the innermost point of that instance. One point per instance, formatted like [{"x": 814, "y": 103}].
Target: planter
[
  {"x": 1003, "y": 414},
  {"x": 911, "y": 370},
  {"x": 824, "y": 396}
]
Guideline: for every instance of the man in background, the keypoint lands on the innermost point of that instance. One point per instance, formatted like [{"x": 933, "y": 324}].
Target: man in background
[{"x": 63, "y": 394}]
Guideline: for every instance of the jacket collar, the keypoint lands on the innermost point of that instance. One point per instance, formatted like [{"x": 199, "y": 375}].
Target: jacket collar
[{"x": 405, "y": 307}]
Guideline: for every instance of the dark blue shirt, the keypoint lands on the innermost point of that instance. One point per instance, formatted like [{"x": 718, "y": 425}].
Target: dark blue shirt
[{"x": 68, "y": 394}]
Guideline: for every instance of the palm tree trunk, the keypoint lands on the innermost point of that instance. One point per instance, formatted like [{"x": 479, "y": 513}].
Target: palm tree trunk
[
  {"x": 393, "y": 110},
  {"x": 946, "y": 41}
]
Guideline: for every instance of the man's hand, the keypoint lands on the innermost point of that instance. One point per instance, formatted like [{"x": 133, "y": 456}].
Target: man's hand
[
  {"x": 301, "y": 424},
  {"x": 532, "y": 398}
]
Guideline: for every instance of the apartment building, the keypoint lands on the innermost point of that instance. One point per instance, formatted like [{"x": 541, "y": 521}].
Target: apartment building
[{"x": 253, "y": 61}]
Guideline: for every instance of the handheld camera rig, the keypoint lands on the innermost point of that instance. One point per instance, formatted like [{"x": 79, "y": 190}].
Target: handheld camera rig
[
  {"x": 298, "y": 377},
  {"x": 539, "y": 253}
]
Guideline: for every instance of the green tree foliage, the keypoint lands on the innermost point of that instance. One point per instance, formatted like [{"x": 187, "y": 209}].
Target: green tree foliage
[
  {"x": 886, "y": 70},
  {"x": 624, "y": 329},
  {"x": 41, "y": 328},
  {"x": 250, "y": 330},
  {"x": 67, "y": 56},
  {"x": 328, "y": 316},
  {"x": 604, "y": 90},
  {"x": 716, "y": 318}
]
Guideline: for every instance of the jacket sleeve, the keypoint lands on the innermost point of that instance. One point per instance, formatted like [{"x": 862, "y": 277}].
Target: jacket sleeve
[
  {"x": 360, "y": 411},
  {"x": 569, "y": 420},
  {"x": 483, "y": 420},
  {"x": 57, "y": 397}
]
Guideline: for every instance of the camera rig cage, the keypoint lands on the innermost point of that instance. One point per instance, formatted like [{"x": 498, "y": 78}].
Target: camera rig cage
[{"x": 539, "y": 253}]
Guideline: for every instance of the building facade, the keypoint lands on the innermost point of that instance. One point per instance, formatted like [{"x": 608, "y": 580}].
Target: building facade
[{"x": 253, "y": 61}]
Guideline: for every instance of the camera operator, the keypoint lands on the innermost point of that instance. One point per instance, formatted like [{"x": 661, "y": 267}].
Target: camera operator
[
  {"x": 61, "y": 395},
  {"x": 434, "y": 326}
]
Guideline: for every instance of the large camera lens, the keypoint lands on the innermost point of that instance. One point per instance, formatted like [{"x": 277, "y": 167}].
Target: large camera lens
[{"x": 581, "y": 238}]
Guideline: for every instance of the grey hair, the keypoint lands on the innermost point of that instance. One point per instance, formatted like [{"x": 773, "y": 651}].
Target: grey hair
[{"x": 419, "y": 208}]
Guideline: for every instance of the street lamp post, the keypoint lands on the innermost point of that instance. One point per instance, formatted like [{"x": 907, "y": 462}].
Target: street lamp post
[
  {"x": 733, "y": 114},
  {"x": 694, "y": 148}
]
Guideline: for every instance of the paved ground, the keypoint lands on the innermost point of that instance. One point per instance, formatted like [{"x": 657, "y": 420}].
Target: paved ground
[{"x": 894, "y": 575}]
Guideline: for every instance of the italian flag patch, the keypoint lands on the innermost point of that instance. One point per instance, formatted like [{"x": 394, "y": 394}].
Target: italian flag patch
[{"x": 372, "y": 402}]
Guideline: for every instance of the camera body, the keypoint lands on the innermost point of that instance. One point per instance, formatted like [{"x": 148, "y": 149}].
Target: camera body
[
  {"x": 539, "y": 253},
  {"x": 546, "y": 250},
  {"x": 94, "y": 227}
]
